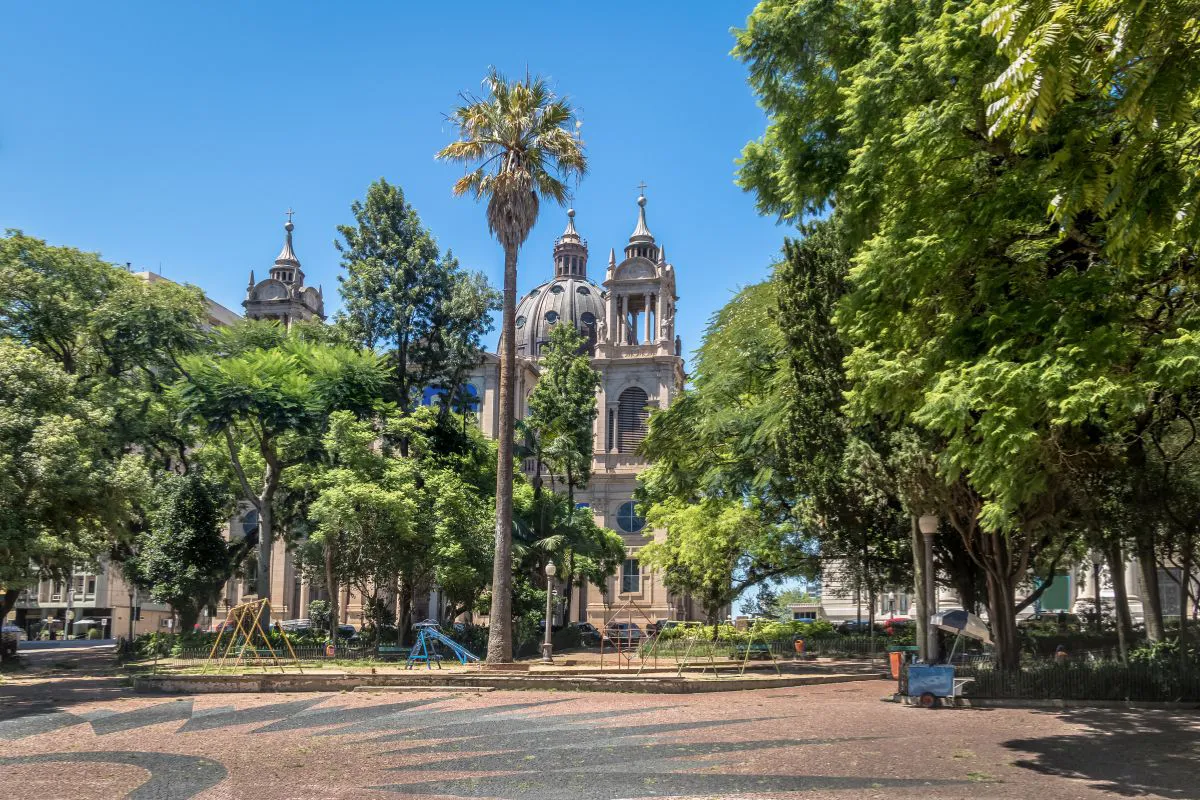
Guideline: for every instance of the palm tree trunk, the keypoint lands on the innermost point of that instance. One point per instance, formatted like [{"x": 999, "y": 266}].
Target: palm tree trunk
[{"x": 500, "y": 615}]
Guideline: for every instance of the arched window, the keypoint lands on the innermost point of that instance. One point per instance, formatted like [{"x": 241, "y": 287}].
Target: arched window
[
  {"x": 628, "y": 519},
  {"x": 631, "y": 419}
]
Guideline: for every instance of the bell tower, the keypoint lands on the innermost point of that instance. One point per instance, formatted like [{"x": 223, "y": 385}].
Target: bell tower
[
  {"x": 640, "y": 300},
  {"x": 282, "y": 295}
]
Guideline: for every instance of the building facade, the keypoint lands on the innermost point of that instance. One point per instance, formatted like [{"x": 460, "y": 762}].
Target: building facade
[
  {"x": 628, "y": 321},
  {"x": 1073, "y": 590}
]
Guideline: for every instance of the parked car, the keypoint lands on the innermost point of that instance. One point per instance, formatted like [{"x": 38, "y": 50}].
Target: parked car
[
  {"x": 623, "y": 633},
  {"x": 855, "y": 626},
  {"x": 1060, "y": 618},
  {"x": 302, "y": 627},
  {"x": 589, "y": 634},
  {"x": 660, "y": 625}
]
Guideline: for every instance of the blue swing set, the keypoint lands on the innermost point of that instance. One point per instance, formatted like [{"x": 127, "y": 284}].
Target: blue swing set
[{"x": 427, "y": 650}]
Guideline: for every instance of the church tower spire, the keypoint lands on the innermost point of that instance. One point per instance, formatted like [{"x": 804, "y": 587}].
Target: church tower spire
[
  {"x": 570, "y": 251},
  {"x": 641, "y": 241},
  {"x": 282, "y": 295},
  {"x": 287, "y": 266}
]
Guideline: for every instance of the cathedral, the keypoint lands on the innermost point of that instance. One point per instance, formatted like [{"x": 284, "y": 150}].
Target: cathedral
[{"x": 629, "y": 322}]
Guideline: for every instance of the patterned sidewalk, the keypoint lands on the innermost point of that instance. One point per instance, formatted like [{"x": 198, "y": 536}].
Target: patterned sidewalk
[{"x": 96, "y": 740}]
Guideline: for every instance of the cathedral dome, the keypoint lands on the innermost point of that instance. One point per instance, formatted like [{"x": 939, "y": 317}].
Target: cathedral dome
[
  {"x": 564, "y": 299},
  {"x": 570, "y": 297}
]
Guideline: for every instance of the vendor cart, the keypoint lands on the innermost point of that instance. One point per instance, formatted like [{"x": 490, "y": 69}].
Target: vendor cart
[{"x": 931, "y": 683}]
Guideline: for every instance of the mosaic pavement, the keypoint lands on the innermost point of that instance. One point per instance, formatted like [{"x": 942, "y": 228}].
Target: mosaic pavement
[{"x": 532, "y": 746}]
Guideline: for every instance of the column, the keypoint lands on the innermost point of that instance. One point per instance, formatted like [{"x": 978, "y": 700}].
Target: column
[
  {"x": 280, "y": 572},
  {"x": 305, "y": 599},
  {"x": 646, "y": 323},
  {"x": 610, "y": 427},
  {"x": 610, "y": 311}
]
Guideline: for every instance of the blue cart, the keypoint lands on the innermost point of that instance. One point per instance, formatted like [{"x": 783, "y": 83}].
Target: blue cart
[{"x": 931, "y": 683}]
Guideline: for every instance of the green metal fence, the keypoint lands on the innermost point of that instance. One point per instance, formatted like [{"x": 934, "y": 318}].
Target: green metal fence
[{"x": 1159, "y": 681}]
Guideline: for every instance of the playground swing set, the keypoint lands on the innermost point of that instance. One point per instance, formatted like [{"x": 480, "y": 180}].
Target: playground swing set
[
  {"x": 246, "y": 634},
  {"x": 701, "y": 650}
]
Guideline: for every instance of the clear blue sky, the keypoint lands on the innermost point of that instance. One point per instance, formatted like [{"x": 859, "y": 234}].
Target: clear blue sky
[{"x": 175, "y": 135}]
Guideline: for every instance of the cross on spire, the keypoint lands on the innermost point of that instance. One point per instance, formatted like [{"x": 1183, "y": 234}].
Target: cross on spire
[
  {"x": 289, "y": 213},
  {"x": 642, "y": 187}
]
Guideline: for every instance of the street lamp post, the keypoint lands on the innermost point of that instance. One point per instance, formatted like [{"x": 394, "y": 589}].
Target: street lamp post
[
  {"x": 928, "y": 523},
  {"x": 547, "y": 646}
]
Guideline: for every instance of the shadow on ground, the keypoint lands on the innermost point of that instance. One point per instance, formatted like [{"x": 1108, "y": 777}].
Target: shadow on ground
[
  {"x": 1128, "y": 752},
  {"x": 44, "y": 680}
]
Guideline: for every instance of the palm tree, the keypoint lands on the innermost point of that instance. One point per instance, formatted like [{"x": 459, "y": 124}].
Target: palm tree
[{"x": 519, "y": 141}]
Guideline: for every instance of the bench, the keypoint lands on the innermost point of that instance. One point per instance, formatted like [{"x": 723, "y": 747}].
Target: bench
[
  {"x": 756, "y": 650},
  {"x": 386, "y": 652}
]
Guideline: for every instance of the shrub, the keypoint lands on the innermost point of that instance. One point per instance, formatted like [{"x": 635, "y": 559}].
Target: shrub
[
  {"x": 318, "y": 614},
  {"x": 94, "y": 634}
]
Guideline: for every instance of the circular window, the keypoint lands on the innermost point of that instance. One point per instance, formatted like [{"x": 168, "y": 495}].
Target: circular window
[
  {"x": 583, "y": 290},
  {"x": 552, "y": 317},
  {"x": 556, "y": 289},
  {"x": 534, "y": 293},
  {"x": 520, "y": 322},
  {"x": 628, "y": 519},
  {"x": 587, "y": 318}
]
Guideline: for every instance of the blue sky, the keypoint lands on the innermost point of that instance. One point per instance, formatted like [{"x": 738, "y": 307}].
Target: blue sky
[{"x": 174, "y": 135}]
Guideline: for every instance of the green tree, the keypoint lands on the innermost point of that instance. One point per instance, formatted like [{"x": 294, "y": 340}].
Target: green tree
[
  {"x": 64, "y": 496},
  {"x": 1009, "y": 341},
  {"x": 182, "y": 558},
  {"x": 715, "y": 549},
  {"x": 363, "y": 518},
  {"x": 272, "y": 405},
  {"x": 401, "y": 294},
  {"x": 1119, "y": 81},
  {"x": 518, "y": 147},
  {"x": 562, "y": 413},
  {"x": 724, "y": 436},
  {"x": 119, "y": 338}
]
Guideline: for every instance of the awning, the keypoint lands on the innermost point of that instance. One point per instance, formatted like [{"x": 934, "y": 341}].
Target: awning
[{"x": 958, "y": 621}]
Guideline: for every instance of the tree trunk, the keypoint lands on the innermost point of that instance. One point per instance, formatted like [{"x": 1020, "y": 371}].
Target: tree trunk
[
  {"x": 345, "y": 604},
  {"x": 1116, "y": 568},
  {"x": 1096, "y": 595},
  {"x": 500, "y": 614},
  {"x": 404, "y": 613},
  {"x": 188, "y": 614},
  {"x": 919, "y": 578},
  {"x": 1002, "y": 619},
  {"x": 1151, "y": 600},
  {"x": 332, "y": 587},
  {"x": 1185, "y": 581}
]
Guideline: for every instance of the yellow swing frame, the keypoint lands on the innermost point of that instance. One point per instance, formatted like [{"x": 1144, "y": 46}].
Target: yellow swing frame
[{"x": 245, "y": 620}]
